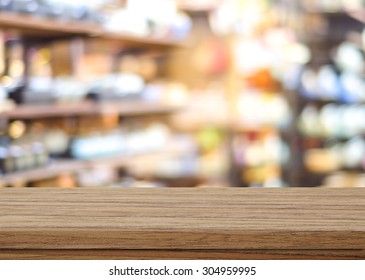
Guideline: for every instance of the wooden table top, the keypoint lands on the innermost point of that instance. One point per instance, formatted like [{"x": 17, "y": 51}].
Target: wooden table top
[{"x": 181, "y": 219}]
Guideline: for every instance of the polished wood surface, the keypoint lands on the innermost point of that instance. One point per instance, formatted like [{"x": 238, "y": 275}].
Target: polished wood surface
[
  {"x": 183, "y": 254},
  {"x": 186, "y": 223}
]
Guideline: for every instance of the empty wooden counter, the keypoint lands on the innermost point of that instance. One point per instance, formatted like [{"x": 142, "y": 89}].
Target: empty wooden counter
[{"x": 227, "y": 223}]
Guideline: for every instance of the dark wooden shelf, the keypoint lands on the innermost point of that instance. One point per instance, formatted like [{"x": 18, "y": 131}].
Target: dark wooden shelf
[
  {"x": 32, "y": 27},
  {"x": 133, "y": 41},
  {"x": 356, "y": 14},
  {"x": 124, "y": 108}
]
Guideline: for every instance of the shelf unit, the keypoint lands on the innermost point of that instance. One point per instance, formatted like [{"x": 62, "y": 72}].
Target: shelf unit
[
  {"x": 343, "y": 22},
  {"x": 40, "y": 29},
  {"x": 71, "y": 166},
  {"x": 50, "y": 171}
]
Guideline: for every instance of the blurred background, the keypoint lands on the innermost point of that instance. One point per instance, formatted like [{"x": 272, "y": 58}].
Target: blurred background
[{"x": 169, "y": 93}]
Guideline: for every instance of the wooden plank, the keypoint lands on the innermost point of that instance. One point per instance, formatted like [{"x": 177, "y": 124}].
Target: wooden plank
[{"x": 182, "y": 219}]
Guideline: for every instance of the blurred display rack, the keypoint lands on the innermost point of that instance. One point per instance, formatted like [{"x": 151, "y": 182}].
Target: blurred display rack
[
  {"x": 72, "y": 166},
  {"x": 38, "y": 28},
  {"x": 50, "y": 171},
  {"x": 352, "y": 20},
  {"x": 130, "y": 108}
]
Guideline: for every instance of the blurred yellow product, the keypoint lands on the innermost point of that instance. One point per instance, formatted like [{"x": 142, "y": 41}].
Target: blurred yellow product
[
  {"x": 214, "y": 164},
  {"x": 6, "y": 81},
  {"x": 148, "y": 69},
  {"x": 130, "y": 64},
  {"x": 322, "y": 160},
  {"x": 17, "y": 66},
  {"x": 259, "y": 175},
  {"x": 342, "y": 180},
  {"x": 41, "y": 63},
  {"x": 16, "y": 129},
  {"x": 209, "y": 139},
  {"x": 109, "y": 121}
]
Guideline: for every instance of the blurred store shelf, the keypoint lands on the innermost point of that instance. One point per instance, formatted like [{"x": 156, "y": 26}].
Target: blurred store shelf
[
  {"x": 52, "y": 170},
  {"x": 70, "y": 166},
  {"x": 32, "y": 27},
  {"x": 129, "y": 108}
]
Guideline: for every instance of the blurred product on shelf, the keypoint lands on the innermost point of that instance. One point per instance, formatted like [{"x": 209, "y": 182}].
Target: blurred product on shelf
[
  {"x": 342, "y": 82},
  {"x": 331, "y": 93},
  {"x": 251, "y": 102},
  {"x": 85, "y": 11},
  {"x": 240, "y": 17},
  {"x": 45, "y": 142},
  {"x": 117, "y": 86},
  {"x": 273, "y": 53},
  {"x": 332, "y": 121},
  {"x": 336, "y": 155},
  {"x": 157, "y": 18},
  {"x": 345, "y": 180},
  {"x": 23, "y": 152},
  {"x": 205, "y": 108},
  {"x": 135, "y": 78},
  {"x": 201, "y": 155},
  {"x": 273, "y": 93},
  {"x": 131, "y": 141},
  {"x": 261, "y": 155},
  {"x": 14, "y": 69}
]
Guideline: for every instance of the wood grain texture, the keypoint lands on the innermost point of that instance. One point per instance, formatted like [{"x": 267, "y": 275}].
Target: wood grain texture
[
  {"x": 281, "y": 221},
  {"x": 182, "y": 254}
]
